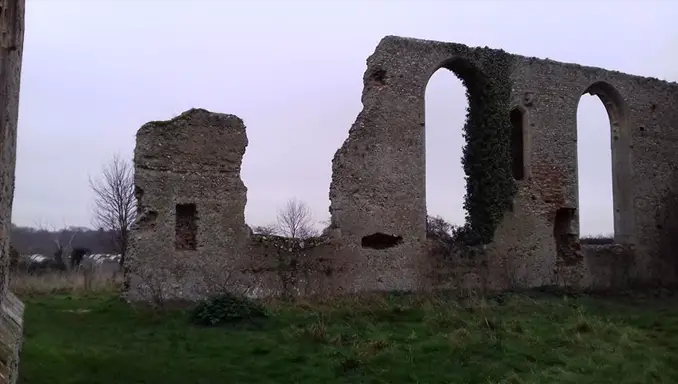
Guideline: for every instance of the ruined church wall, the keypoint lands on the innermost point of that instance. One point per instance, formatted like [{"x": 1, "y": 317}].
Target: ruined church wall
[
  {"x": 641, "y": 127},
  {"x": 654, "y": 183},
  {"x": 196, "y": 158},
  {"x": 379, "y": 184},
  {"x": 193, "y": 160},
  {"x": 294, "y": 267},
  {"x": 378, "y": 187}
]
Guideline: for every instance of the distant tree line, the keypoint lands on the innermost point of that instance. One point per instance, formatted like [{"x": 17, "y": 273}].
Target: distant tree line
[{"x": 29, "y": 240}]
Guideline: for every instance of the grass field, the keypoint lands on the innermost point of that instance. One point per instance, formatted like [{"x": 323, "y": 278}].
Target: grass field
[{"x": 378, "y": 339}]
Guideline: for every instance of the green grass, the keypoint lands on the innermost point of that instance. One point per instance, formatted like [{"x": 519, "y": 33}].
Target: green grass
[{"x": 384, "y": 339}]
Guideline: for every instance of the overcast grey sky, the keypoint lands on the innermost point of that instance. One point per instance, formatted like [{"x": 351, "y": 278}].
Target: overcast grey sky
[{"x": 95, "y": 71}]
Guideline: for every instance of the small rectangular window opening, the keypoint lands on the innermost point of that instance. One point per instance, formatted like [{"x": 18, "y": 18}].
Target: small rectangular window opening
[
  {"x": 562, "y": 225},
  {"x": 186, "y": 227}
]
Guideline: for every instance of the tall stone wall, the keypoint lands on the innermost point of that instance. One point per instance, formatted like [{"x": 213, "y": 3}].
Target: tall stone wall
[
  {"x": 191, "y": 204},
  {"x": 378, "y": 183},
  {"x": 11, "y": 52},
  {"x": 377, "y": 239}
]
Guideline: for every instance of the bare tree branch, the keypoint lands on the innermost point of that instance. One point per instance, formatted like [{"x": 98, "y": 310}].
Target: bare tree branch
[
  {"x": 114, "y": 202},
  {"x": 295, "y": 220},
  {"x": 64, "y": 246}
]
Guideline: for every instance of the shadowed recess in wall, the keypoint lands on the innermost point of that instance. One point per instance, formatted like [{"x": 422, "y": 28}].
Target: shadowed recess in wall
[
  {"x": 186, "y": 227},
  {"x": 380, "y": 241},
  {"x": 566, "y": 241}
]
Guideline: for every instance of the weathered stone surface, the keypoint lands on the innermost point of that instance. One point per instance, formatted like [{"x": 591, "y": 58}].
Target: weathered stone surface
[
  {"x": 378, "y": 200},
  {"x": 378, "y": 182},
  {"x": 191, "y": 204},
  {"x": 11, "y": 337},
  {"x": 607, "y": 267},
  {"x": 293, "y": 267},
  {"x": 11, "y": 51}
]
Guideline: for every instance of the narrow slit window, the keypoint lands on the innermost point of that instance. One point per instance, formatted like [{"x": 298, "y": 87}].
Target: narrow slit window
[{"x": 186, "y": 227}]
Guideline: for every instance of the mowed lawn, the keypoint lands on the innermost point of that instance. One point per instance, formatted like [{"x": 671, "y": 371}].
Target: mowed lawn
[{"x": 378, "y": 339}]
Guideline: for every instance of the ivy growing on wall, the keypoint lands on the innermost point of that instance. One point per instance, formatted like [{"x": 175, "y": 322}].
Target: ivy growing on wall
[{"x": 486, "y": 158}]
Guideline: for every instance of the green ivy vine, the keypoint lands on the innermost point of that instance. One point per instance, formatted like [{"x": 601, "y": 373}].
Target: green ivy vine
[{"x": 490, "y": 186}]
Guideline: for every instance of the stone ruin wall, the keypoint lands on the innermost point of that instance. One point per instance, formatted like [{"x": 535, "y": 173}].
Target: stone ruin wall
[
  {"x": 11, "y": 53},
  {"x": 378, "y": 188},
  {"x": 187, "y": 172}
]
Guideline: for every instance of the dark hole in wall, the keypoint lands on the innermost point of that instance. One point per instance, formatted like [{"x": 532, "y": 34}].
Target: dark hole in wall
[
  {"x": 186, "y": 227},
  {"x": 380, "y": 241},
  {"x": 517, "y": 148},
  {"x": 566, "y": 241},
  {"x": 378, "y": 76},
  {"x": 138, "y": 195},
  {"x": 138, "y": 192},
  {"x": 147, "y": 219},
  {"x": 563, "y": 221}
]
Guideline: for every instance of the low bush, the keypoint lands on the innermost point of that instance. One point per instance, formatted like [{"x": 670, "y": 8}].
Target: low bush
[
  {"x": 227, "y": 309},
  {"x": 447, "y": 236}
]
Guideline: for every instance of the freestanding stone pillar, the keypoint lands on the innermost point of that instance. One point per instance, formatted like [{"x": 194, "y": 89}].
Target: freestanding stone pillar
[{"x": 11, "y": 51}]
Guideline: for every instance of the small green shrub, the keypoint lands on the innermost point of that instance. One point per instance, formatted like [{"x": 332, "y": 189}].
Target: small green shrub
[{"x": 227, "y": 309}]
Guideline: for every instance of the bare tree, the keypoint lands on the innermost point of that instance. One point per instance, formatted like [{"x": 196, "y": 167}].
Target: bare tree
[
  {"x": 295, "y": 220},
  {"x": 64, "y": 248},
  {"x": 114, "y": 202},
  {"x": 63, "y": 239}
]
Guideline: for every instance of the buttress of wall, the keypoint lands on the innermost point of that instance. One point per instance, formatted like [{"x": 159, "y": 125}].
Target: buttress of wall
[{"x": 191, "y": 223}]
